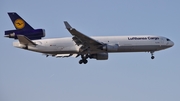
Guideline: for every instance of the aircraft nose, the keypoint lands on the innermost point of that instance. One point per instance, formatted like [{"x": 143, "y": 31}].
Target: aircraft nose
[{"x": 171, "y": 44}]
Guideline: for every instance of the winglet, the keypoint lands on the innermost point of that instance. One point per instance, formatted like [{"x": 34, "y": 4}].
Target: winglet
[
  {"x": 68, "y": 26},
  {"x": 24, "y": 40}
]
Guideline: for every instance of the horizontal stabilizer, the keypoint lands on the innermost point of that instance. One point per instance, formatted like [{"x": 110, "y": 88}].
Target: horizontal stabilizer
[{"x": 24, "y": 40}]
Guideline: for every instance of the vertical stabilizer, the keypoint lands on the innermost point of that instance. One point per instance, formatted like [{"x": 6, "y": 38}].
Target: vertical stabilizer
[
  {"x": 23, "y": 28},
  {"x": 18, "y": 22}
]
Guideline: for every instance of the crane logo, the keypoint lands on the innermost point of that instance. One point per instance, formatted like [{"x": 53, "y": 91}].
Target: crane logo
[{"x": 19, "y": 23}]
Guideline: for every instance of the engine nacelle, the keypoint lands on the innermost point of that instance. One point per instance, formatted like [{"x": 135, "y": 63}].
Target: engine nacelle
[
  {"x": 110, "y": 48},
  {"x": 31, "y": 34},
  {"x": 100, "y": 56}
]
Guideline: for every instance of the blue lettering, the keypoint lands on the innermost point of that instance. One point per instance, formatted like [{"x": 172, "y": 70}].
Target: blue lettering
[{"x": 137, "y": 38}]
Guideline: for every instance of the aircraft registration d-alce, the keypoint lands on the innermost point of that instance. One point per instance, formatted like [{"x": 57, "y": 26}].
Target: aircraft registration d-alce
[{"x": 97, "y": 47}]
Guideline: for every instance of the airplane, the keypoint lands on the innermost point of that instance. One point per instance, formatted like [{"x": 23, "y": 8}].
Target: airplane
[{"x": 97, "y": 47}]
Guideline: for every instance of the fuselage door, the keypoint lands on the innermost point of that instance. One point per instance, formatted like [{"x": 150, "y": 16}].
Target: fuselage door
[{"x": 162, "y": 41}]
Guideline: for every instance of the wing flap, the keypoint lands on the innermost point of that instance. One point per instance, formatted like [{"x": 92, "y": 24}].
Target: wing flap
[{"x": 62, "y": 55}]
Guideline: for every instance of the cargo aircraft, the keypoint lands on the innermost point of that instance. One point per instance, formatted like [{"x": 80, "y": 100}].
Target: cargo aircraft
[{"x": 97, "y": 47}]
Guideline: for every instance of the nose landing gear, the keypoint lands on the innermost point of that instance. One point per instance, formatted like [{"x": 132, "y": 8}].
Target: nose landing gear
[{"x": 152, "y": 55}]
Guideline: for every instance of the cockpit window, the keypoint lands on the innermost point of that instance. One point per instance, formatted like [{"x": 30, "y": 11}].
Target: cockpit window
[{"x": 168, "y": 39}]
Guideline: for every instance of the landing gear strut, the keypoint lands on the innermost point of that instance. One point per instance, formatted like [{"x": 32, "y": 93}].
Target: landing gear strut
[
  {"x": 84, "y": 59},
  {"x": 152, "y": 55}
]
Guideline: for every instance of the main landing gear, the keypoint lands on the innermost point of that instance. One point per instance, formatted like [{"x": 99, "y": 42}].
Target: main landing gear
[
  {"x": 84, "y": 59},
  {"x": 152, "y": 55}
]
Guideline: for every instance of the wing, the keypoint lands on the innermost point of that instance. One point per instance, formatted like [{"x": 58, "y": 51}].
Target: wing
[
  {"x": 81, "y": 39},
  {"x": 61, "y": 55}
]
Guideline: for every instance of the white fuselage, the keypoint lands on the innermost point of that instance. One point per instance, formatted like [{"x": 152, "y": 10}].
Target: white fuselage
[{"x": 144, "y": 43}]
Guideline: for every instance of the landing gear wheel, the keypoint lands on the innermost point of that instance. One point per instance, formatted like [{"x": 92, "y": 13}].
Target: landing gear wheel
[
  {"x": 85, "y": 61},
  {"x": 152, "y": 54},
  {"x": 80, "y": 61},
  {"x": 152, "y": 57}
]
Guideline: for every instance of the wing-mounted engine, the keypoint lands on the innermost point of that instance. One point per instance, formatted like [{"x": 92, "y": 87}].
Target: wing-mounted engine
[
  {"x": 110, "y": 48},
  {"x": 31, "y": 34},
  {"x": 99, "y": 56}
]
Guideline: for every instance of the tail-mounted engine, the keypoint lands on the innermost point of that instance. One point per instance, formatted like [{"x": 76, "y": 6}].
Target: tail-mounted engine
[{"x": 31, "y": 34}]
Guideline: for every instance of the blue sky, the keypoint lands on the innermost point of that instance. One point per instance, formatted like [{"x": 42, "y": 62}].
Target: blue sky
[{"x": 29, "y": 76}]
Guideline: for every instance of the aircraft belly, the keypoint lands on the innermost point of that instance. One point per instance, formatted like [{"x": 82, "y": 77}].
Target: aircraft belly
[
  {"x": 61, "y": 50},
  {"x": 50, "y": 50},
  {"x": 139, "y": 48}
]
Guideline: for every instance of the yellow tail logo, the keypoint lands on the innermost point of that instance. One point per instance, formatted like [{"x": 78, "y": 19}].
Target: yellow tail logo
[{"x": 19, "y": 24}]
